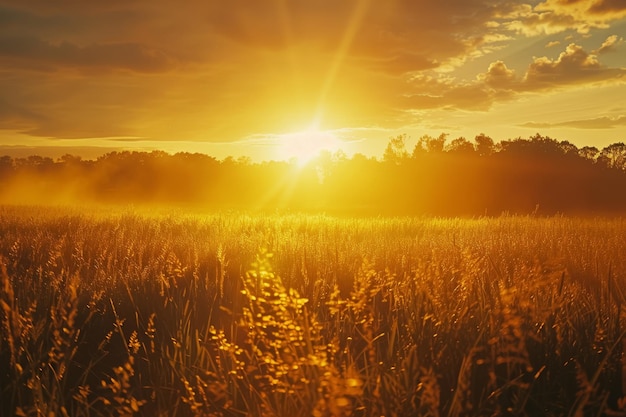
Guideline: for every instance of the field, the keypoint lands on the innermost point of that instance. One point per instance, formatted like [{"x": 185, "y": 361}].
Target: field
[{"x": 125, "y": 312}]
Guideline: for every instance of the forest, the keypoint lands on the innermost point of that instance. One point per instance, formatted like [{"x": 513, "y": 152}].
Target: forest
[{"x": 438, "y": 176}]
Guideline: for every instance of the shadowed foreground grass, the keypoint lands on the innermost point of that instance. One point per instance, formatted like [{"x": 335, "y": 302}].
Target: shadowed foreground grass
[{"x": 299, "y": 315}]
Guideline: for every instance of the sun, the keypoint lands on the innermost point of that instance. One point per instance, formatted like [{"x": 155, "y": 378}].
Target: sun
[{"x": 305, "y": 145}]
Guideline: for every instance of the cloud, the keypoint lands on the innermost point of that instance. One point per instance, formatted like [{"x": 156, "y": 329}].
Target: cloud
[
  {"x": 595, "y": 123},
  {"x": 17, "y": 117},
  {"x": 393, "y": 38},
  {"x": 610, "y": 44},
  {"x": 552, "y": 44},
  {"x": 573, "y": 68},
  {"x": 81, "y": 23},
  {"x": 429, "y": 92},
  {"x": 23, "y": 151},
  {"x": 275, "y": 64},
  {"x": 554, "y": 16},
  {"x": 127, "y": 56},
  {"x": 58, "y": 105},
  {"x": 218, "y": 70},
  {"x": 400, "y": 36},
  {"x": 61, "y": 127},
  {"x": 499, "y": 76},
  {"x": 546, "y": 23},
  {"x": 615, "y": 8}
]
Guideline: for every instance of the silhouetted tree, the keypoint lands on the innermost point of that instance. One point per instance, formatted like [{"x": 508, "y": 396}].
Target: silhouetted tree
[
  {"x": 589, "y": 152},
  {"x": 484, "y": 145},
  {"x": 6, "y": 163},
  {"x": 396, "y": 152},
  {"x": 615, "y": 155},
  {"x": 461, "y": 146},
  {"x": 517, "y": 175},
  {"x": 435, "y": 145},
  {"x": 568, "y": 148},
  {"x": 70, "y": 159},
  {"x": 420, "y": 148}
]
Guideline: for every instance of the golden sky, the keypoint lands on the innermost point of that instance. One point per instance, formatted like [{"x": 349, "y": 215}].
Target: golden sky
[{"x": 238, "y": 77}]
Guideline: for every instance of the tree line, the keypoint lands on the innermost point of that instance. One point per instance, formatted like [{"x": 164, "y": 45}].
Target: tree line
[{"x": 437, "y": 177}]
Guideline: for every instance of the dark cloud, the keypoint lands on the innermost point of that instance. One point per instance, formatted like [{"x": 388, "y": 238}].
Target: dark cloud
[
  {"x": 17, "y": 117},
  {"x": 58, "y": 7},
  {"x": 53, "y": 105},
  {"x": 15, "y": 18},
  {"x": 554, "y": 16},
  {"x": 395, "y": 36},
  {"x": 73, "y": 24},
  {"x": 399, "y": 36},
  {"x": 127, "y": 56},
  {"x": 609, "y": 7}
]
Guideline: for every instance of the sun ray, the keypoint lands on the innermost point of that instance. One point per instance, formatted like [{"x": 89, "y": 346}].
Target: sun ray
[{"x": 356, "y": 19}]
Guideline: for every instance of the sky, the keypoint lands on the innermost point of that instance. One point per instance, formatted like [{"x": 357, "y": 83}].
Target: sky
[{"x": 269, "y": 79}]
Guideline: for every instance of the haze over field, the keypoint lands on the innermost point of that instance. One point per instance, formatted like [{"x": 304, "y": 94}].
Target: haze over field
[
  {"x": 322, "y": 208},
  {"x": 281, "y": 78}
]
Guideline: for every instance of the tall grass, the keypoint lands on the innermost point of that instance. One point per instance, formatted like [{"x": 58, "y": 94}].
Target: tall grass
[{"x": 237, "y": 314}]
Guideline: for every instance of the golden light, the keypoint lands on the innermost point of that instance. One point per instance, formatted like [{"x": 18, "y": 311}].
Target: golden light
[{"x": 305, "y": 145}]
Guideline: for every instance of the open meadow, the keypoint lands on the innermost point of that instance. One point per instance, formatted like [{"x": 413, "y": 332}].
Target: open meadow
[
  {"x": 233, "y": 314},
  {"x": 289, "y": 208}
]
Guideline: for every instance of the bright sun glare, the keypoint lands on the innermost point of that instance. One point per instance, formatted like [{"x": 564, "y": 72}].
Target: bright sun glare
[{"x": 307, "y": 144}]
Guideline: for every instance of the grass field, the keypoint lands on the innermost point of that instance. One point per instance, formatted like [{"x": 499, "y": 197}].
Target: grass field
[{"x": 235, "y": 314}]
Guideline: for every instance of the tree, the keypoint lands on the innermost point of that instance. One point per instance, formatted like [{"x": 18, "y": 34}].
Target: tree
[
  {"x": 461, "y": 146},
  {"x": 589, "y": 152},
  {"x": 69, "y": 159},
  {"x": 6, "y": 166},
  {"x": 244, "y": 160},
  {"x": 568, "y": 148},
  {"x": 396, "y": 150},
  {"x": 435, "y": 145},
  {"x": 6, "y": 162},
  {"x": 615, "y": 155},
  {"x": 420, "y": 147},
  {"x": 484, "y": 145}
]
